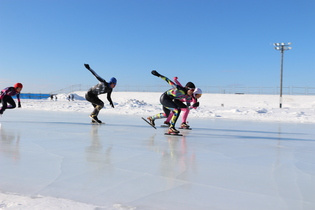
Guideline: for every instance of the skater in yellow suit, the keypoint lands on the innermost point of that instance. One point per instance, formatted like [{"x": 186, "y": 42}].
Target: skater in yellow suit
[{"x": 170, "y": 100}]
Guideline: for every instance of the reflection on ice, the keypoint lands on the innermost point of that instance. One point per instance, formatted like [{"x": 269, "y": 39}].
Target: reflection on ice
[
  {"x": 126, "y": 164},
  {"x": 9, "y": 144}
]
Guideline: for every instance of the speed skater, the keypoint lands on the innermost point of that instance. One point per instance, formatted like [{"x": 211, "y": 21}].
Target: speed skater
[
  {"x": 101, "y": 88},
  {"x": 189, "y": 101},
  {"x": 6, "y": 97},
  {"x": 170, "y": 101}
]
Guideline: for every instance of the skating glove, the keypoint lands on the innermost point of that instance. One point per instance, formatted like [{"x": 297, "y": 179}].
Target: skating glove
[
  {"x": 19, "y": 105},
  {"x": 195, "y": 104},
  {"x": 87, "y": 66},
  {"x": 155, "y": 73}
]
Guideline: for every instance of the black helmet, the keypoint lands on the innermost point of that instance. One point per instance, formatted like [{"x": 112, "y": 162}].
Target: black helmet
[{"x": 190, "y": 85}]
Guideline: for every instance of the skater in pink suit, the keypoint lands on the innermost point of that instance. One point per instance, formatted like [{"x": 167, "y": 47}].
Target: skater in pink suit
[{"x": 6, "y": 97}]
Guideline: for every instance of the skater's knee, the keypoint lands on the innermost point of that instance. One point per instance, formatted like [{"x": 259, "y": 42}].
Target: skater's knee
[
  {"x": 177, "y": 111},
  {"x": 99, "y": 107}
]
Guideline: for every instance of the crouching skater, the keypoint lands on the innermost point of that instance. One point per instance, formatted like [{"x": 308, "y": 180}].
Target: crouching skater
[
  {"x": 101, "y": 88},
  {"x": 6, "y": 97},
  {"x": 192, "y": 103},
  {"x": 171, "y": 102}
]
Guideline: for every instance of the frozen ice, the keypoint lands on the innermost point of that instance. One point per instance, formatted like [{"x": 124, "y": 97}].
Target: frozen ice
[{"x": 126, "y": 164}]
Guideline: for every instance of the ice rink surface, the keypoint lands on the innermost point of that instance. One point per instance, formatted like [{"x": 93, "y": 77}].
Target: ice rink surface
[{"x": 220, "y": 164}]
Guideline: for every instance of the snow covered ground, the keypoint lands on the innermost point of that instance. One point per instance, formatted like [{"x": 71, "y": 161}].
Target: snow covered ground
[
  {"x": 295, "y": 108},
  {"x": 243, "y": 153}
]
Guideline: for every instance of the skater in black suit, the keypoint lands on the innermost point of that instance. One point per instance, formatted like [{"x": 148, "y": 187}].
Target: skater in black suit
[{"x": 100, "y": 88}]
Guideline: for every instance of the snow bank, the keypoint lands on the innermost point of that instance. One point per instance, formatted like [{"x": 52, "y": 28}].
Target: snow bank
[{"x": 297, "y": 109}]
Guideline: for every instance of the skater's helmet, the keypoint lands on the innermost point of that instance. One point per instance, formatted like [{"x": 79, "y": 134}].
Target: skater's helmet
[
  {"x": 18, "y": 85},
  {"x": 190, "y": 85},
  {"x": 197, "y": 91},
  {"x": 113, "y": 80}
]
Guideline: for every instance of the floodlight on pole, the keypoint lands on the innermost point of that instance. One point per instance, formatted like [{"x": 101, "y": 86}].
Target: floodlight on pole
[{"x": 282, "y": 47}]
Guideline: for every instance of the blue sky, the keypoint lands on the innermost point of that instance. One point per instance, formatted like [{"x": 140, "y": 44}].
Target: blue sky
[{"x": 44, "y": 43}]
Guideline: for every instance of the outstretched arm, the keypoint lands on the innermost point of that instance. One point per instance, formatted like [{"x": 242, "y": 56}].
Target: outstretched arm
[
  {"x": 170, "y": 82},
  {"x": 177, "y": 82},
  {"x": 94, "y": 73}
]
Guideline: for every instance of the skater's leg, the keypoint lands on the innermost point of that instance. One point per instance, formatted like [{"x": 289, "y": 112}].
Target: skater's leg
[
  {"x": 3, "y": 106},
  {"x": 161, "y": 115},
  {"x": 9, "y": 100},
  {"x": 169, "y": 117},
  {"x": 181, "y": 106},
  {"x": 5, "y": 101},
  {"x": 97, "y": 104},
  {"x": 154, "y": 117},
  {"x": 185, "y": 114},
  {"x": 97, "y": 109},
  {"x": 174, "y": 106},
  {"x": 176, "y": 110},
  {"x": 184, "y": 118},
  {"x": 158, "y": 116},
  {"x": 163, "y": 98},
  {"x": 176, "y": 113}
]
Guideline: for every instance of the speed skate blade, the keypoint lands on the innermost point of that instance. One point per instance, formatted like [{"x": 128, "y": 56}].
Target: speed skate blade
[{"x": 173, "y": 134}]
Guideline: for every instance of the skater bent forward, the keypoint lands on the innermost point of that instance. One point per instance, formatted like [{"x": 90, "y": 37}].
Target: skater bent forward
[
  {"x": 6, "y": 97},
  {"x": 192, "y": 103},
  {"x": 100, "y": 88},
  {"x": 171, "y": 101}
]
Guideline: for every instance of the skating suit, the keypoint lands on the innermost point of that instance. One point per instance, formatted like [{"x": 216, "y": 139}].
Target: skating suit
[
  {"x": 171, "y": 101},
  {"x": 100, "y": 88},
  {"x": 6, "y": 98},
  {"x": 10, "y": 91}
]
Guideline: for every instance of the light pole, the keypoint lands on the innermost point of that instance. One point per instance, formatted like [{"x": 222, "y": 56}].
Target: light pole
[{"x": 282, "y": 47}]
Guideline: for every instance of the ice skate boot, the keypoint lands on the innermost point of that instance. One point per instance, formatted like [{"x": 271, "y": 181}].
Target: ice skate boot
[
  {"x": 151, "y": 121},
  {"x": 184, "y": 126},
  {"x": 167, "y": 123},
  {"x": 95, "y": 119},
  {"x": 173, "y": 131}
]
